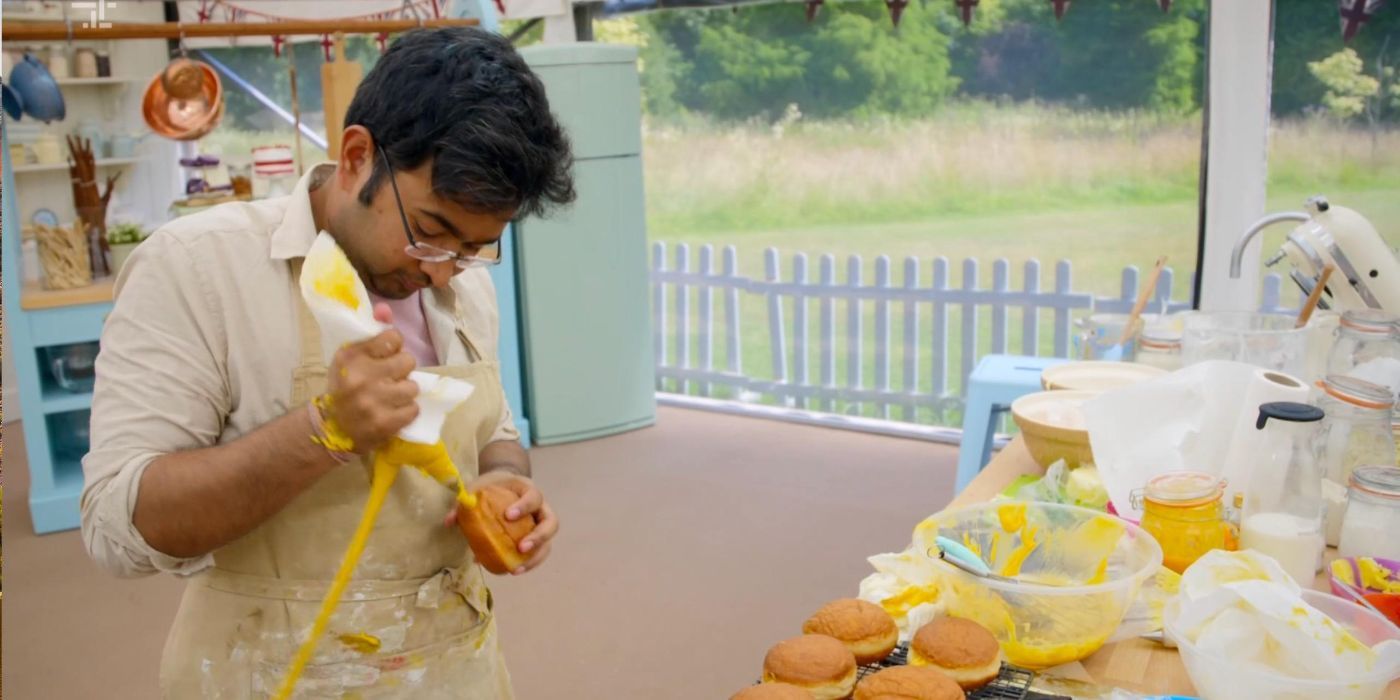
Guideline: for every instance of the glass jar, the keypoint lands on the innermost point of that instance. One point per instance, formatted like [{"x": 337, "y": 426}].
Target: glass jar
[
  {"x": 1368, "y": 347},
  {"x": 1355, "y": 431},
  {"x": 1184, "y": 512},
  {"x": 1159, "y": 349},
  {"x": 1282, "y": 506},
  {"x": 1371, "y": 527}
]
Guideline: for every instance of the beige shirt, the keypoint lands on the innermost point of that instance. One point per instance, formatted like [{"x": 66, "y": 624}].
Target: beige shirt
[{"x": 200, "y": 347}]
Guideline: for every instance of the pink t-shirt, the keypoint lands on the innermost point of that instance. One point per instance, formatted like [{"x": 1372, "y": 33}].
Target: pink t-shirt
[{"x": 413, "y": 325}]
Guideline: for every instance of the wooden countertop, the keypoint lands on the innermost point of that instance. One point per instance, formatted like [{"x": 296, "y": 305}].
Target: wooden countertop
[
  {"x": 1137, "y": 664},
  {"x": 34, "y": 297}
]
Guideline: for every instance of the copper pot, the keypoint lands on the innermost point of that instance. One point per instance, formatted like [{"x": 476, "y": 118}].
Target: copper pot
[{"x": 184, "y": 118}]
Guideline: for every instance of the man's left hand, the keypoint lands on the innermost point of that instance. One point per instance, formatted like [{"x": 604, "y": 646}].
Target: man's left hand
[{"x": 530, "y": 503}]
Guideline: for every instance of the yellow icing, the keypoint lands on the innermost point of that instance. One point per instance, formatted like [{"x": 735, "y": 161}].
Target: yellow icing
[
  {"x": 363, "y": 642},
  {"x": 901, "y": 603},
  {"x": 336, "y": 280},
  {"x": 1012, "y": 516},
  {"x": 1018, "y": 556},
  {"x": 1036, "y": 655},
  {"x": 971, "y": 544},
  {"x": 1099, "y": 573}
]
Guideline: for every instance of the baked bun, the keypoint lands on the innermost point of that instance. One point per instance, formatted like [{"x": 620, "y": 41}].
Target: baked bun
[
  {"x": 494, "y": 540},
  {"x": 909, "y": 683},
  {"x": 819, "y": 664},
  {"x": 963, "y": 649},
  {"x": 865, "y": 628},
  {"x": 772, "y": 691}
]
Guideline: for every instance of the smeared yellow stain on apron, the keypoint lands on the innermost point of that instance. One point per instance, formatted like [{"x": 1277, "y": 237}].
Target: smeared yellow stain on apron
[
  {"x": 363, "y": 642},
  {"x": 398, "y": 453},
  {"x": 383, "y": 479}
]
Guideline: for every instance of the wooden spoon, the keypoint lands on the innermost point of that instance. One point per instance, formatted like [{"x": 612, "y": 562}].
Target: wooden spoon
[
  {"x": 1130, "y": 329},
  {"x": 1315, "y": 296}
]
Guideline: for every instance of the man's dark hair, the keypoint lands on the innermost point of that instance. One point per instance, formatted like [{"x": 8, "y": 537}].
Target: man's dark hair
[{"x": 463, "y": 97}]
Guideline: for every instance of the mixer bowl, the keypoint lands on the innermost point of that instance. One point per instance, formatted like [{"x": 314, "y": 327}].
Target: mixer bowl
[
  {"x": 1263, "y": 340},
  {"x": 1080, "y": 571}
]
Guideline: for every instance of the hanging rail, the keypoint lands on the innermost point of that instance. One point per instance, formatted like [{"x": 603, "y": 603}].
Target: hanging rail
[{"x": 60, "y": 31}]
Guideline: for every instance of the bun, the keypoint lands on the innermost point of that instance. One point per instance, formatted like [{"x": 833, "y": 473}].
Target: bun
[
  {"x": 963, "y": 649},
  {"x": 494, "y": 540},
  {"x": 865, "y": 628},
  {"x": 909, "y": 683},
  {"x": 821, "y": 665}
]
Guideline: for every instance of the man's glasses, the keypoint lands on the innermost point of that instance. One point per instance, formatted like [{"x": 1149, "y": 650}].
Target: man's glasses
[{"x": 484, "y": 256}]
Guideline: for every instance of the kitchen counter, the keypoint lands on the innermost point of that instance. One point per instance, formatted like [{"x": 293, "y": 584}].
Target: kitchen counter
[{"x": 1137, "y": 664}]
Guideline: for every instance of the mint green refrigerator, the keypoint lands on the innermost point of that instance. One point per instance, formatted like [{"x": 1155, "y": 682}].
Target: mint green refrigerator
[{"x": 582, "y": 272}]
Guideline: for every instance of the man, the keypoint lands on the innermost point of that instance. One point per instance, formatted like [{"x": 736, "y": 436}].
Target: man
[{"x": 205, "y": 457}]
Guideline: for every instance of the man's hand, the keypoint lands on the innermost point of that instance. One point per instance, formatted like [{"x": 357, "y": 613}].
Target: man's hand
[
  {"x": 371, "y": 396},
  {"x": 529, "y": 503}
]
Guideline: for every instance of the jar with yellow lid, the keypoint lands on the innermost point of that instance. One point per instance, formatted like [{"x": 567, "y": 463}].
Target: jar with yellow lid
[{"x": 1185, "y": 513}]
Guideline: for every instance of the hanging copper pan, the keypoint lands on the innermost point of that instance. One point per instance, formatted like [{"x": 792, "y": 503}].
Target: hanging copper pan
[{"x": 196, "y": 108}]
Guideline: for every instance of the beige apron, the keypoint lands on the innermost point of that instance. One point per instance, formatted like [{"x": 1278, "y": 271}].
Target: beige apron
[{"x": 415, "y": 621}]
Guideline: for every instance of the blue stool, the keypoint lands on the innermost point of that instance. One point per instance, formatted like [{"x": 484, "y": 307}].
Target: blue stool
[{"x": 993, "y": 385}]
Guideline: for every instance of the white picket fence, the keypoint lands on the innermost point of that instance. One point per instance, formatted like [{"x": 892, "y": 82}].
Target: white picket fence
[{"x": 686, "y": 332}]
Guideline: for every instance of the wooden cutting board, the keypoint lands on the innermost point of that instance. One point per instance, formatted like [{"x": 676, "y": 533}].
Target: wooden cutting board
[{"x": 339, "y": 79}]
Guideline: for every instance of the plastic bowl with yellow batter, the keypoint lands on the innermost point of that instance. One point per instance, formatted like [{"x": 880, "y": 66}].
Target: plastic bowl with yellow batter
[{"x": 1077, "y": 572}]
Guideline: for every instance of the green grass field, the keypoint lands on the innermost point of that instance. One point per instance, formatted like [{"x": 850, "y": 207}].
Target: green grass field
[{"x": 1100, "y": 190}]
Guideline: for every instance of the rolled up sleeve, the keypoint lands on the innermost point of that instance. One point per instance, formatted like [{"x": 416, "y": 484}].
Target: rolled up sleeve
[{"x": 162, "y": 387}]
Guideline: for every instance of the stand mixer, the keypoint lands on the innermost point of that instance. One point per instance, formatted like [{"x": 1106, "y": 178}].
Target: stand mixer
[{"x": 1342, "y": 237}]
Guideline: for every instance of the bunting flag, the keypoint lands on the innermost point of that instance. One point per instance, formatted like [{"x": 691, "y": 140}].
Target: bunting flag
[
  {"x": 1355, "y": 13},
  {"x": 812, "y": 7},
  {"x": 965, "y": 8},
  {"x": 896, "y": 9},
  {"x": 1060, "y": 7}
]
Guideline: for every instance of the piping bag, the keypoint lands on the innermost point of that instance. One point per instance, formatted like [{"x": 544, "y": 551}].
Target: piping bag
[{"x": 341, "y": 305}]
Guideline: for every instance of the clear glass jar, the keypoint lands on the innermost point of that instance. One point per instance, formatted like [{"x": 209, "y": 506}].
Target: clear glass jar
[
  {"x": 1185, "y": 513},
  {"x": 1282, "y": 506},
  {"x": 1159, "y": 349},
  {"x": 1368, "y": 347},
  {"x": 1355, "y": 431},
  {"x": 1372, "y": 524}
]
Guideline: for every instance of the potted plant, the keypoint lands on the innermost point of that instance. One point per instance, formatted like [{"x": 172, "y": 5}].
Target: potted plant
[{"x": 123, "y": 238}]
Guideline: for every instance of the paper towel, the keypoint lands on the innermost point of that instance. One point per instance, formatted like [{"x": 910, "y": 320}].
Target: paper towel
[
  {"x": 341, "y": 305},
  {"x": 1243, "y": 607},
  {"x": 1183, "y": 421}
]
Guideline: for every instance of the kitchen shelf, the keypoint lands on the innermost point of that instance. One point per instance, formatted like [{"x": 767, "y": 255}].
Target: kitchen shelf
[
  {"x": 101, "y": 163},
  {"x": 108, "y": 80},
  {"x": 36, "y": 297},
  {"x": 60, "y": 401}
]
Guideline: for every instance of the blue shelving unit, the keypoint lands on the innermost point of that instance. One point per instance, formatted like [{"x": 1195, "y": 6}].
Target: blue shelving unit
[{"x": 49, "y": 413}]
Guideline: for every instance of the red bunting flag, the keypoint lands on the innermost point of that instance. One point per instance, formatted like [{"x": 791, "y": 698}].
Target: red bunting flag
[
  {"x": 965, "y": 10},
  {"x": 1355, "y": 13}
]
